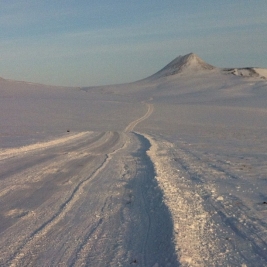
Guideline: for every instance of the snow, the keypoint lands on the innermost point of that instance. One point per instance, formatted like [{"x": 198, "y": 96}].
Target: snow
[
  {"x": 261, "y": 72},
  {"x": 166, "y": 171}
]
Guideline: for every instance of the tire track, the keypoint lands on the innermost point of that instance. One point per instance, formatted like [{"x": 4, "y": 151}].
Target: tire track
[
  {"x": 133, "y": 124},
  {"x": 156, "y": 246},
  {"x": 228, "y": 210},
  {"x": 45, "y": 154},
  {"x": 144, "y": 249},
  {"x": 11, "y": 152},
  {"x": 85, "y": 247},
  {"x": 20, "y": 258},
  {"x": 17, "y": 172},
  {"x": 140, "y": 232}
]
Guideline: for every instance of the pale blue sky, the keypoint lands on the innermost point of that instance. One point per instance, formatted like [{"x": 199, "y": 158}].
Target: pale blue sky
[{"x": 96, "y": 42}]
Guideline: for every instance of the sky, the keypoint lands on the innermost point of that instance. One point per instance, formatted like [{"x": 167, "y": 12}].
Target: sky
[{"x": 99, "y": 42}]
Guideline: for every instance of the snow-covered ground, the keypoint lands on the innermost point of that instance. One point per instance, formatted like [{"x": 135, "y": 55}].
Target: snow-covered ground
[{"x": 166, "y": 171}]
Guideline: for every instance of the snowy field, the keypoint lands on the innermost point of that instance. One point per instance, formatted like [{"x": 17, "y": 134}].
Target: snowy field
[{"x": 167, "y": 171}]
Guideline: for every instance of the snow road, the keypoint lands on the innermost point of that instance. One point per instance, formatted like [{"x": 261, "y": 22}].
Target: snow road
[
  {"x": 89, "y": 199},
  {"x": 123, "y": 199}
]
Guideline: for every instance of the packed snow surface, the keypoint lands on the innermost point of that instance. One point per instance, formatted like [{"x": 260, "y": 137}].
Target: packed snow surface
[{"x": 166, "y": 171}]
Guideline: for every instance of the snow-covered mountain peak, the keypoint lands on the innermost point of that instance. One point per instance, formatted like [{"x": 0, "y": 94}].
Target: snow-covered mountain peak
[{"x": 188, "y": 63}]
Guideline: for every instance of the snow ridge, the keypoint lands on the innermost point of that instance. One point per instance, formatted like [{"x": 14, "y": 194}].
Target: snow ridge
[
  {"x": 248, "y": 72},
  {"x": 189, "y": 217}
]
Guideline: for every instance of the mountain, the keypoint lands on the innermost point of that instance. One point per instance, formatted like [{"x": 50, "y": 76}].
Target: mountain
[
  {"x": 185, "y": 74},
  {"x": 192, "y": 63},
  {"x": 184, "y": 64},
  {"x": 189, "y": 64}
]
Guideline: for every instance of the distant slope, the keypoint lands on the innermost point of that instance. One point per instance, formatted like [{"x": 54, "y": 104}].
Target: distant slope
[
  {"x": 189, "y": 64},
  {"x": 7, "y": 83}
]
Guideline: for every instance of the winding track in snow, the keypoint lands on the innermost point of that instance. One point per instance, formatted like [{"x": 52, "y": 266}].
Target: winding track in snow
[{"x": 133, "y": 124}]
